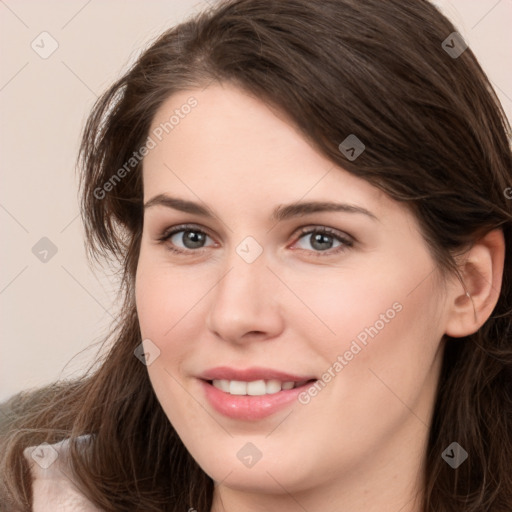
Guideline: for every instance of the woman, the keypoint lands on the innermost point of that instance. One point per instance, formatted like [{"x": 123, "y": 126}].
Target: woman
[{"x": 309, "y": 202}]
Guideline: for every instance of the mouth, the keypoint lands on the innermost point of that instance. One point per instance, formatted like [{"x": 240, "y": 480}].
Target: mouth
[
  {"x": 259, "y": 387},
  {"x": 252, "y": 394}
]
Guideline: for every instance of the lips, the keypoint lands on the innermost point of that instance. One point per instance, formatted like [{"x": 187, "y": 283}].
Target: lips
[
  {"x": 252, "y": 374},
  {"x": 238, "y": 401}
]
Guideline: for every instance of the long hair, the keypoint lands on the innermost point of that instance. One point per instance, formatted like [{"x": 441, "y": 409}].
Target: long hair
[{"x": 436, "y": 139}]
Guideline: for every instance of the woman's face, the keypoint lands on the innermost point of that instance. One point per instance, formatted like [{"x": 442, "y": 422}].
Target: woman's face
[{"x": 264, "y": 291}]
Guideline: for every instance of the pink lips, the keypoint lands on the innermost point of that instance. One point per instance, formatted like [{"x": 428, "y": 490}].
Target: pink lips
[
  {"x": 250, "y": 374},
  {"x": 245, "y": 407}
]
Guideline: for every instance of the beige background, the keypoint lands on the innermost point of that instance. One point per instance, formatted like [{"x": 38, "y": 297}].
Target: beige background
[{"x": 53, "y": 310}]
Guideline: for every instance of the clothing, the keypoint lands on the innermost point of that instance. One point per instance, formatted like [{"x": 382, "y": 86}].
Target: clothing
[{"x": 52, "y": 486}]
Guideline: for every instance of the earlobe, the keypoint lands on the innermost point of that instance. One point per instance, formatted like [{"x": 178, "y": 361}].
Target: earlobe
[{"x": 481, "y": 268}]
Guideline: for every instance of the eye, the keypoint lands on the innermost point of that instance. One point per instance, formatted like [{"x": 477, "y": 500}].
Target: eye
[
  {"x": 323, "y": 239},
  {"x": 184, "y": 238}
]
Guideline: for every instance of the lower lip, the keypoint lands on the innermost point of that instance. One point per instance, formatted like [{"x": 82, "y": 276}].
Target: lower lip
[{"x": 247, "y": 407}]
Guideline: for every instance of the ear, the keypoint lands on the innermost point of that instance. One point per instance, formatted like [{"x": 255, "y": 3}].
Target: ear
[{"x": 481, "y": 269}]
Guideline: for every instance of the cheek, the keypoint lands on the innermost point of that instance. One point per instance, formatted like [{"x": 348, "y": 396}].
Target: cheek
[
  {"x": 339, "y": 304},
  {"x": 384, "y": 318},
  {"x": 164, "y": 297},
  {"x": 388, "y": 347},
  {"x": 161, "y": 300}
]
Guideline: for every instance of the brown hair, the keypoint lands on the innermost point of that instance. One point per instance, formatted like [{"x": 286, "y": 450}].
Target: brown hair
[{"x": 436, "y": 139}]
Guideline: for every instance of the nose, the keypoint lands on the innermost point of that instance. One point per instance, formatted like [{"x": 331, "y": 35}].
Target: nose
[{"x": 244, "y": 305}]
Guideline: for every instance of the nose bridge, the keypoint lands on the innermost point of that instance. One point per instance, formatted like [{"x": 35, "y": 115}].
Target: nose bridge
[
  {"x": 244, "y": 298},
  {"x": 246, "y": 274}
]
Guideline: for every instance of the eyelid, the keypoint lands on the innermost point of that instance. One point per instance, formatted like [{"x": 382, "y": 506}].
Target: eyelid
[
  {"x": 346, "y": 241},
  {"x": 314, "y": 228},
  {"x": 168, "y": 232}
]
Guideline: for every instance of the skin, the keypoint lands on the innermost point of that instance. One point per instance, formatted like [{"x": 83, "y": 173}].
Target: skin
[{"x": 361, "y": 441}]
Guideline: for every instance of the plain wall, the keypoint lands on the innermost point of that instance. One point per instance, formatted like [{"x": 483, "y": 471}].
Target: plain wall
[{"x": 52, "y": 310}]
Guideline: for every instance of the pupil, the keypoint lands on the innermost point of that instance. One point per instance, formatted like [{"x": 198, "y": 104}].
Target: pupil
[
  {"x": 193, "y": 239},
  {"x": 321, "y": 238}
]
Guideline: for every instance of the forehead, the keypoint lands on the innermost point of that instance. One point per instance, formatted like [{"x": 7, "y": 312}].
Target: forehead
[
  {"x": 232, "y": 145},
  {"x": 226, "y": 117}
]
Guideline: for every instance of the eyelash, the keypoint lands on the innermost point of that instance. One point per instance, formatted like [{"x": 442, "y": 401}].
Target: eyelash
[{"x": 308, "y": 230}]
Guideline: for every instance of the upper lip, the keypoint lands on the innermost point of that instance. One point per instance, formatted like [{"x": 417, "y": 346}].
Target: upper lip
[{"x": 251, "y": 374}]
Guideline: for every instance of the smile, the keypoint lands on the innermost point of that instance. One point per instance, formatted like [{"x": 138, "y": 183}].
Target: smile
[
  {"x": 250, "y": 401},
  {"x": 255, "y": 387}
]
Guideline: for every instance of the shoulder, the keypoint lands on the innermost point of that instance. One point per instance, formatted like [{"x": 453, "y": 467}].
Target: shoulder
[{"x": 52, "y": 487}]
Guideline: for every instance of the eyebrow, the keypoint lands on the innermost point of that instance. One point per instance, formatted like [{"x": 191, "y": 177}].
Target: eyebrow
[{"x": 280, "y": 213}]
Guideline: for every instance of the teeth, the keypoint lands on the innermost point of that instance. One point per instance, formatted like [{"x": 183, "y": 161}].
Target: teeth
[
  {"x": 237, "y": 387},
  {"x": 253, "y": 388},
  {"x": 272, "y": 386},
  {"x": 256, "y": 388},
  {"x": 223, "y": 385}
]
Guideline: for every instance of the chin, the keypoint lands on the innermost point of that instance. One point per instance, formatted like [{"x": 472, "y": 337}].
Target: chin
[{"x": 268, "y": 475}]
